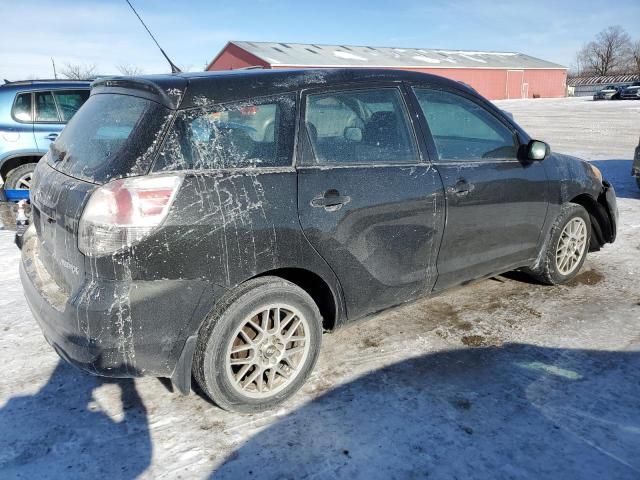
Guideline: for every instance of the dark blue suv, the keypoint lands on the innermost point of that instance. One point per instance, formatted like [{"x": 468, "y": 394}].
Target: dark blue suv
[{"x": 32, "y": 114}]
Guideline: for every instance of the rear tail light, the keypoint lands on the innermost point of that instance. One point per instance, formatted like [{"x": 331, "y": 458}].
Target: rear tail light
[{"x": 123, "y": 212}]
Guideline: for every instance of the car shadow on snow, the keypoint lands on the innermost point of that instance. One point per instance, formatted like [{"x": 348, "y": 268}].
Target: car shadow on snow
[
  {"x": 618, "y": 173},
  {"x": 516, "y": 411},
  {"x": 63, "y": 431}
]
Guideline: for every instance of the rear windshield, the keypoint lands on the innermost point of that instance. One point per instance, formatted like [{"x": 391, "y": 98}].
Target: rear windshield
[{"x": 111, "y": 136}]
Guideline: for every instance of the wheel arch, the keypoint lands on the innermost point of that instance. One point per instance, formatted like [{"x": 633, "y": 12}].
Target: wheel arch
[
  {"x": 327, "y": 299},
  {"x": 9, "y": 163},
  {"x": 601, "y": 229}
]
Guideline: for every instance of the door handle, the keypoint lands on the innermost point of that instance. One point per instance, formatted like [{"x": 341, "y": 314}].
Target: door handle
[
  {"x": 331, "y": 200},
  {"x": 462, "y": 188},
  {"x": 51, "y": 136}
]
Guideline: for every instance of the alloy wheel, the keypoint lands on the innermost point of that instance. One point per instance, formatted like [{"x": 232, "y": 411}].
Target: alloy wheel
[
  {"x": 268, "y": 351},
  {"x": 571, "y": 246}
]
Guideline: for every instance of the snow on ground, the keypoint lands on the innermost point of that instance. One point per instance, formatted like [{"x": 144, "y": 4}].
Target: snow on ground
[{"x": 500, "y": 379}]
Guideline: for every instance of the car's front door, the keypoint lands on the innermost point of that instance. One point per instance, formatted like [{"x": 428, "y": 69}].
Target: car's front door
[
  {"x": 366, "y": 201},
  {"x": 496, "y": 203}
]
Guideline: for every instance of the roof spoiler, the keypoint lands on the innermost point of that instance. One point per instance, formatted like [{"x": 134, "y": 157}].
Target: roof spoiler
[{"x": 170, "y": 98}]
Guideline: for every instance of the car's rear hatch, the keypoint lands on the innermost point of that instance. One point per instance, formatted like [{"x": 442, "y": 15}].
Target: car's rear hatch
[{"x": 114, "y": 135}]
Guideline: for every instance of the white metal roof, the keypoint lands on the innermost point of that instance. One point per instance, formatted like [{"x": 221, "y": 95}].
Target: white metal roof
[{"x": 316, "y": 55}]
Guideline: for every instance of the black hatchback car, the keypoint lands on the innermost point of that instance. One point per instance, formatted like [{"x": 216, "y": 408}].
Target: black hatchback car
[{"x": 217, "y": 223}]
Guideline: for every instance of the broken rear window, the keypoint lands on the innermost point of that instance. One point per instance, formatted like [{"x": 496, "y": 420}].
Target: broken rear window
[{"x": 255, "y": 133}]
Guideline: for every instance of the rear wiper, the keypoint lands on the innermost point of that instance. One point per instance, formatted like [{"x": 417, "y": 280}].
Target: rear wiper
[{"x": 57, "y": 153}]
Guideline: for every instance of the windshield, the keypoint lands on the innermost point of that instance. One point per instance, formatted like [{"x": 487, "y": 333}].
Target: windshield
[{"x": 111, "y": 136}]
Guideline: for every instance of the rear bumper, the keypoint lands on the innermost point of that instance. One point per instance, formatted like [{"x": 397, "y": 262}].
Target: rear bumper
[{"x": 109, "y": 328}]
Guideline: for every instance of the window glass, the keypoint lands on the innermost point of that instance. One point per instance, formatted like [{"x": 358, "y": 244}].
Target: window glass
[
  {"x": 111, "y": 136},
  {"x": 22, "y": 107},
  {"x": 69, "y": 101},
  {"x": 46, "y": 110},
  {"x": 462, "y": 129},
  {"x": 359, "y": 126},
  {"x": 244, "y": 134}
]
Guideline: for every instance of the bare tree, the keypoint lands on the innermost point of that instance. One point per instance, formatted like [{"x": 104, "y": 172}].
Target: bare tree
[
  {"x": 75, "y": 71},
  {"x": 608, "y": 53},
  {"x": 129, "y": 70},
  {"x": 635, "y": 57},
  {"x": 578, "y": 67}
]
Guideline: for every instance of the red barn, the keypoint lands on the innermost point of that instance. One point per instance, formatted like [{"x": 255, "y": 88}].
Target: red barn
[{"x": 495, "y": 75}]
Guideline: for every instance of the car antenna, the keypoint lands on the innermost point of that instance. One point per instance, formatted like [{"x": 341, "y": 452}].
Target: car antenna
[{"x": 174, "y": 68}]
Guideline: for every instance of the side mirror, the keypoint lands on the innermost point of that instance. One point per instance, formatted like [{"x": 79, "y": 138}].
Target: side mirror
[
  {"x": 353, "y": 134},
  {"x": 537, "y": 150}
]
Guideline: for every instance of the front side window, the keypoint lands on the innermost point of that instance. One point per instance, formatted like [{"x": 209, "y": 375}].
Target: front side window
[
  {"x": 244, "y": 134},
  {"x": 46, "y": 110},
  {"x": 462, "y": 129},
  {"x": 358, "y": 127},
  {"x": 22, "y": 108},
  {"x": 69, "y": 101}
]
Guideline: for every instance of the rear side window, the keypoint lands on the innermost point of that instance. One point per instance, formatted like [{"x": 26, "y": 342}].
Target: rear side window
[
  {"x": 69, "y": 101},
  {"x": 257, "y": 133},
  {"x": 358, "y": 127},
  {"x": 464, "y": 130},
  {"x": 46, "y": 110},
  {"x": 22, "y": 108}
]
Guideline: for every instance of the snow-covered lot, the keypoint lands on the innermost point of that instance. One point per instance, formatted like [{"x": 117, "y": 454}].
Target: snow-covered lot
[{"x": 500, "y": 379}]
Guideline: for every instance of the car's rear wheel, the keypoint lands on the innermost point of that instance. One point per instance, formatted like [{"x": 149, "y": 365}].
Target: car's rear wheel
[
  {"x": 566, "y": 248},
  {"x": 259, "y": 345},
  {"x": 20, "y": 177}
]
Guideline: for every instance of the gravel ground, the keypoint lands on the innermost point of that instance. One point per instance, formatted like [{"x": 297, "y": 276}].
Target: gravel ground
[{"x": 500, "y": 379}]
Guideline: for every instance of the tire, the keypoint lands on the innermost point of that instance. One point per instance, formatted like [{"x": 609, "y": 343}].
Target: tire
[
  {"x": 260, "y": 347},
  {"x": 552, "y": 269},
  {"x": 20, "y": 177}
]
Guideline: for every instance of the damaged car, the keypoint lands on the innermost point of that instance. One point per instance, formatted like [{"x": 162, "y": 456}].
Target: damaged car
[{"x": 214, "y": 225}]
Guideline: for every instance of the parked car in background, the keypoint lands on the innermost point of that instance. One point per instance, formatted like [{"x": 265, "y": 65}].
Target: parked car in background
[
  {"x": 635, "y": 169},
  {"x": 610, "y": 92},
  {"x": 217, "y": 223},
  {"x": 632, "y": 92},
  {"x": 32, "y": 114}
]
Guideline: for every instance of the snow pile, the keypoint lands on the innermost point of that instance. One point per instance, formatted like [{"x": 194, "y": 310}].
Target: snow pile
[
  {"x": 422, "y": 58},
  {"x": 348, "y": 56}
]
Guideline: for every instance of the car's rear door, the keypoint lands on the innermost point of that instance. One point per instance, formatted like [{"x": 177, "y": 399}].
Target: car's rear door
[
  {"x": 47, "y": 122},
  {"x": 367, "y": 201},
  {"x": 52, "y": 110},
  {"x": 496, "y": 202}
]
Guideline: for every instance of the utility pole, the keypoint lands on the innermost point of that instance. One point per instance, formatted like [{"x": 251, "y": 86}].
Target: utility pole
[{"x": 55, "y": 74}]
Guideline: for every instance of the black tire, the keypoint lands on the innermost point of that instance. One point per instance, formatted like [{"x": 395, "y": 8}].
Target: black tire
[
  {"x": 547, "y": 270},
  {"x": 13, "y": 178},
  {"x": 219, "y": 331}
]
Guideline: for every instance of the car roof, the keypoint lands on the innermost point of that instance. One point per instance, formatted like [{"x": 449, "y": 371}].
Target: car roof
[
  {"x": 44, "y": 84},
  {"x": 192, "y": 89}
]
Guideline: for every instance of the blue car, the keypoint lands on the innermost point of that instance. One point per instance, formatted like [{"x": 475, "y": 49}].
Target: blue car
[{"x": 32, "y": 114}]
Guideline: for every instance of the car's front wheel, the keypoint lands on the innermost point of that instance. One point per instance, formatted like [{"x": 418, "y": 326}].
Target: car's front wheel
[
  {"x": 259, "y": 345},
  {"x": 566, "y": 248}
]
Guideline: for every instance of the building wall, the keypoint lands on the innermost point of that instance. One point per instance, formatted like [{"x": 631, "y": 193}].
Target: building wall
[
  {"x": 498, "y": 84},
  {"x": 233, "y": 57},
  {"x": 494, "y": 84}
]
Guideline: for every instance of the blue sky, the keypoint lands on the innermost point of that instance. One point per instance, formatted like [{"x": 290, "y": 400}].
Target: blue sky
[{"x": 105, "y": 32}]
